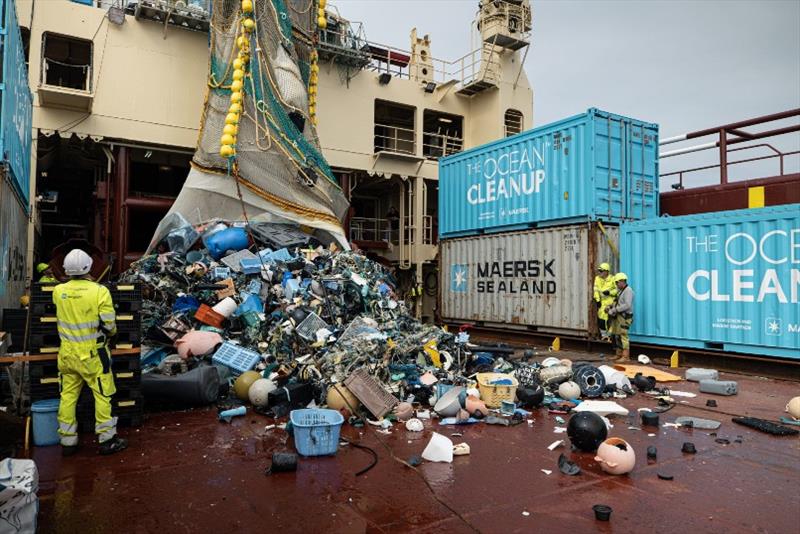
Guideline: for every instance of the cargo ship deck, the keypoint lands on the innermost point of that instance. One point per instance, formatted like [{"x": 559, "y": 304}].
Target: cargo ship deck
[{"x": 187, "y": 472}]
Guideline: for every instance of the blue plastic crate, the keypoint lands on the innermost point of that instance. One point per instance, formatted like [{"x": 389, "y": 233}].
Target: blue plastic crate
[
  {"x": 316, "y": 431},
  {"x": 238, "y": 359},
  {"x": 250, "y": 265}
]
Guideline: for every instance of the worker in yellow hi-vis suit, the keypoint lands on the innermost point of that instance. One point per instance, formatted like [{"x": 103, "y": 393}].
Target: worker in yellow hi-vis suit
[
  {"x": 605, "y": 289},
  {"x": 85, "y": 321}
]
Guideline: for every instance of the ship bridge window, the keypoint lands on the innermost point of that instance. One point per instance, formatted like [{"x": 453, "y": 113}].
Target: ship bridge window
[
  {"x": 513, "y": 122},
  {"x": 394, "y": 128},
  {"x": 66, "y": 62},
  {"x": 442, "y": 134}
]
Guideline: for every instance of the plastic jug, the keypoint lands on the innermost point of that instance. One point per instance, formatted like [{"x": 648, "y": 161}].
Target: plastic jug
[{"x": 229, "y": 239}]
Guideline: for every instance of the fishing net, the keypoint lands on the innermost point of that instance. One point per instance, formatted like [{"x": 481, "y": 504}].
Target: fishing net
[{"x": 278, "y": 173}]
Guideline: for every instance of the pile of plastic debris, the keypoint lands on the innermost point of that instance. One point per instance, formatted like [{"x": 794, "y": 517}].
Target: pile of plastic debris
[{"x": 272, "y": 298}]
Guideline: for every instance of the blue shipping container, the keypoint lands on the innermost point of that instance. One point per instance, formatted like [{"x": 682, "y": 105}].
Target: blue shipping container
[
  {"x": 593, "y": 166},
  {"x": 16, "y": 103},
  {"x": 728, "y": 280}
]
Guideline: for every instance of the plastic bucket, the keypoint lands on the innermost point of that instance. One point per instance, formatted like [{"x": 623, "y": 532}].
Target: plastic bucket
[{"x": 45, "y": 422}]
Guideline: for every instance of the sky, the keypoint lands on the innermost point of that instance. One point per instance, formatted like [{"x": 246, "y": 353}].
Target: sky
[{"x": 686, "y": 65}]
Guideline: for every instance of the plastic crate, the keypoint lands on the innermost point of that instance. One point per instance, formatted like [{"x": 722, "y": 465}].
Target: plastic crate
[
  {"x": 236, "y": 358},
  {"x": 307, "y": 329},
  {"x": 370, "y": 392},
  {"x": 125, "y": 292},
  {"x": 316, "y": 431},
  {"x": 494, "y": 394},
  {"x": 206, "y": 315}
]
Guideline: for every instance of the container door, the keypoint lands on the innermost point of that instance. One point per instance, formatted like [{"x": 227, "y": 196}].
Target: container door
[
  {"x": 640, "y": 172},
  {"x": 610, "y": 149}
]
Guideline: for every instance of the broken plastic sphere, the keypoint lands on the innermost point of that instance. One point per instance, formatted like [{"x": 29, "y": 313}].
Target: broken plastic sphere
[{"x": 616, "y": 456}]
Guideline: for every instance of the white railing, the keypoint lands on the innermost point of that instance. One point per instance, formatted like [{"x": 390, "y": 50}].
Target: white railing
[
  {"x": 438, "y": 145},
  {"x": 395, "y": 139}
]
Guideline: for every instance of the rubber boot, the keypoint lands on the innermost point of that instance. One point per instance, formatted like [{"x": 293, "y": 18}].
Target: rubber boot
[
  {"x": 625, "y": 356},
  {"x": 115, "y": 444}
]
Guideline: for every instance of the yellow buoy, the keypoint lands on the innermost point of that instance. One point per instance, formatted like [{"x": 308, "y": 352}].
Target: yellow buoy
[
  {"x": 312, "y": 110},
  {"x": 238, "y": 63},
  {"x": 236, "y": 85},
  {"x": 226, "y": 139},
  {"x": 238, "y": 74},
  {"x": 312, "y": 90},
  {"x": 322, "y": 23},
  {"x": 322, "y": 3},
  {"x": 226, "y": 151},
  {"x": 241, "y": 386},
  {"x": 247, "y": 6},
  {"x": 229, "y": 129},
  {"x": 314, "y": 69},
  {"x": 232, "y": 118},
  {"x": 241, "y": 41},
  {"x": 235, "y": 108},
  {"x": 248, "y": 24},
  {"x": 236, "y": 97}
]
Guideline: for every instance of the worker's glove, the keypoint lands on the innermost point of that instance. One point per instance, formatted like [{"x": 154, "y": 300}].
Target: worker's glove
[{"x": 606, "y": 292}]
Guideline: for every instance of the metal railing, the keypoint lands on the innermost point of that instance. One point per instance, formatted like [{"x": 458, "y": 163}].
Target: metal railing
[
  {"x": 382, "y": 229},
  {"x": 737, "y": 136},
  {"x": 395, "y": 139},
  {"x": 777, "y": 154},
  {"x": 437, "y": 145},
  {"x": 82, "y": 72}
]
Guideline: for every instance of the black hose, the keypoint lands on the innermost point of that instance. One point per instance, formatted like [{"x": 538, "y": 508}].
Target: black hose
[{"x": 364, "y": 447}]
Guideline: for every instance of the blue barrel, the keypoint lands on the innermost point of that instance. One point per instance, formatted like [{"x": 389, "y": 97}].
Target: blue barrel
[
  {"x": 229, "y": 239},
  {"x": 45, "y": 422}
]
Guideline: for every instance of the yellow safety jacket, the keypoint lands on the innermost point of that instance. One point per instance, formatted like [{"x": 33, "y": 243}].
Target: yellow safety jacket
[
  {"x": 601, "y": 285},
  {"x": 86, "y": 317}
]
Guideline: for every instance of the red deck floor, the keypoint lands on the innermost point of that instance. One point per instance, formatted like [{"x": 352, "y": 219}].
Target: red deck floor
[{"x": 187, "y": 472}]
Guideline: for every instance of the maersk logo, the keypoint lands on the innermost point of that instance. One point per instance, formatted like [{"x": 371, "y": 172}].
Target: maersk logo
[
  {"x": 458, "y": 278},
  {"x": 773, "y": 326}
]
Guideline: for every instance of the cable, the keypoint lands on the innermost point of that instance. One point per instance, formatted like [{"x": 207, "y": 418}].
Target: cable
[
  {"x": 368, "y": 449},
  {"x": 430, "y": 488}
]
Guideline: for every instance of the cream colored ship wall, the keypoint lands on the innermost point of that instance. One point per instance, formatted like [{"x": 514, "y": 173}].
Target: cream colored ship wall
[
  {"x": 148, "y": 84},
  {"x": 346, "y": 115}
]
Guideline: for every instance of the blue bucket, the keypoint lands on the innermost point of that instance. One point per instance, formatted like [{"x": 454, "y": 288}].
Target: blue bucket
[{"x": 45, "y": 422}]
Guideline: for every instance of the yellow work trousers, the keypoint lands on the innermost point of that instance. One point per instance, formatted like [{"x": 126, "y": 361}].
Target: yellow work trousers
[
  {"x": 96, "y": 373},
  {"x": 618, "y": 327}
]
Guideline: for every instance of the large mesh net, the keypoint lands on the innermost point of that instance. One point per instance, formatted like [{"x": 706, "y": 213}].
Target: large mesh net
[{"x": 278, "y": 172}]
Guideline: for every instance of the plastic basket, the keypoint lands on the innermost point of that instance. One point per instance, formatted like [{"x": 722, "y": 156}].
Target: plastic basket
[
  {"x": 316, "y": 431},
  {"x": 237, "y": 358},
  {"x": 494, "y": 394}
]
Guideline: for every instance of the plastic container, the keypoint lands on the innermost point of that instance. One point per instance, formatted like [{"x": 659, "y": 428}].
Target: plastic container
[
  {"x": 237, "y": 358},
  {"x": 229, "y": 239},
  {"x": 45, "y": 422},
  {"x": 493, "y": 395},
  {"x": 225, "y": 307},
  {"x": 592, "y": 166},
  {"x": 316, "y": 431},
  {"x": 719, "y": 387},
  {"x": 205, "y": 314}
]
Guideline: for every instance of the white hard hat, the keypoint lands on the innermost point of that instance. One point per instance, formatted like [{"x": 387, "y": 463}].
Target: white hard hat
[{"x": 77, "y": 263}]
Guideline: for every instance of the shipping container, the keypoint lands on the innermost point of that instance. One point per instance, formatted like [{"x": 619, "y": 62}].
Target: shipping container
[
  {"x": 593, "y": 166},
  {"x": 535, "y": 280},
  {"x": 13, "y": 245},
  {"x": 758, "y": 193},
  {"x": 16, "y": 104},
  {"x": 728, "y": 280}
]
